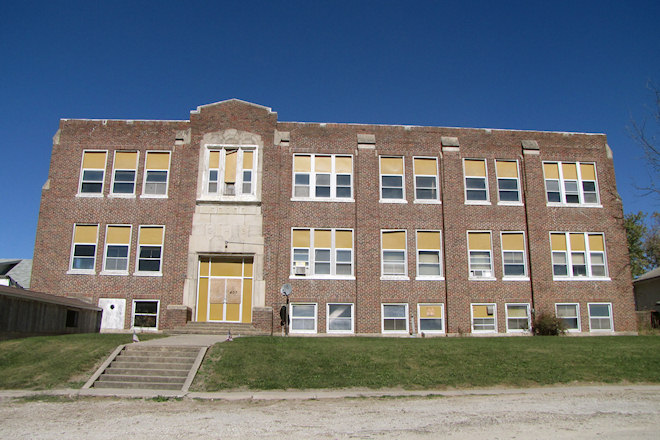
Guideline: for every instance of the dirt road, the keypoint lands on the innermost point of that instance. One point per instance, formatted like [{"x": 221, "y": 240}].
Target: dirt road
[{"x": 550, "y": 413}]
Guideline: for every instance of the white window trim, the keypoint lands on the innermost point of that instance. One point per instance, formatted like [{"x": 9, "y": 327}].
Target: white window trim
[
  {"x": 382, "y": 257},
  {"x": 419, "y": 318},
  {"x": 146, "y": 329},
  {"x": 403, "y": 198},
  {"x": 312, "y": 179},
  {"x": 524, "y": 251},
  {"x": 316, "y": 318},
  {"x": 492, "y": 268},
  {"x": 82, "y": 170},
  {"x": 562, "y": 188},
  {"x": 146, "y": 171},
  {"x": 472, "y": 317},
  {"x": 333, "y": 256},
  {"x": 587, "y": 252},
  {"x": 417, "y": 250},
  {"x": 497, "y": 180},
  {"x": 114, "y": 171},
  {"x": 577, "y": 310},
  {"x": 105, "y": 251},
  {"x": 506, "y": 313},
  {"x": 327, "y": 320},
  {"x": 437, "y": 200},
  {"x": 137, "y": 254},
  {"x": 73, "y": 271},
  {"x": 465, "y": 189},
  {"x": 406, "y": 319},
  {"x": 222, "y": 148},
  {"x": 597, "y": 330}
]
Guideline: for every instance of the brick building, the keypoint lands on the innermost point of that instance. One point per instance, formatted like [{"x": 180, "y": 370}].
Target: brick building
[{"x": 379, "y": 229}]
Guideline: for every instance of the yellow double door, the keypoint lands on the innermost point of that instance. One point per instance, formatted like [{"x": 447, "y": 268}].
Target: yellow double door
[{"x": 224, "y": 289}]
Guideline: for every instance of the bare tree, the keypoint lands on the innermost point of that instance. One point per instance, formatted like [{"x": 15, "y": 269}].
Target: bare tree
[{"x": 647, "y": 135}]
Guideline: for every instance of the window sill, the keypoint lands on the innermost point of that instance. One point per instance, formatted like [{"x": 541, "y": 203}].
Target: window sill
[
  {"x": 219, "y": 200},
  {"x": 153, "y": 196},
  {"x": 429, "y": 278},
  {"x": 145, "y": 329},
  {"x": 505, "y": 278},
  {"x": 148, "y": 274},
  {"x": 510, "y": 204},
  {"x": 482, "y": 279},
  {"x": 400, "y": 201},
  {"x": 427, "y": 202},
  {"x": 573, "y": 205},
  {"x": 113, "y": 273},
  {"x": 121, "y": 196},
  {"x": 321, "y": 277},
  {"x": 301, "y": 332},
  {"x": 80, "y": 272},
  {"x": 483, "y": 331},
  {"x": 478, "y": 202},
  {"x": 395, "y": 332},
  {"x": 322, "y": 199},
  {"x": 601, "y": 331},
  {"x": 582, "y": 279},
  {"x": 90, "y": 195},
  {"x": 432, "y": 332},
  {"x": 518, "y": 331},
  {"x": 394, "y": 278},
  {"x": 340, "y": 332}
]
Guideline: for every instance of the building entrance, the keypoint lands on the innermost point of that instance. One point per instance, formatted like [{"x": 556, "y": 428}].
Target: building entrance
[{"x": 224, "y": 292}]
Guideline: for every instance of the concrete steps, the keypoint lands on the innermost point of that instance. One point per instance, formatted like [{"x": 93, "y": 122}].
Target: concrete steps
[
  {"x": 218, "y": 328},
  {"x": 139, "y": 366}
]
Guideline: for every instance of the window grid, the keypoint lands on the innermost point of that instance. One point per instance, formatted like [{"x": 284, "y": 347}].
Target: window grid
[
  {"x": 484, "y": 317},
  {"x": 394, "y": 318},
  {"x": 331, "y": 184},
  {"x": 480, "y": 261},
  {"x": 92, "y": 173},
  {"x": 124, "y": 173},
  {"x": 580, "y": 188},
  {"x": 156, "y": 174},
  {"x": 394, "y": 260},
  {"x": 83, "y": 248},
  {"x": 392, "y": 184},
  {"x": 600, "y": 317},
  {"x": 145, "y": 314},
  {"x": 517, "y": 318},
  {"x": 475, "y": 172},
  {"x": 431, "y": 317},
  {"x": 117, "y": 249},
  {"x": 340, "y": 318},
  {"x": 303, "y": 317},
  {"x": 575, "y": 263},
  {"x": 322, "y": 262},
  {"x": 150, "y": 250},
  {"x": 508, "y": 182},
  {"x": 429, "y": 255},
  {"x": 514, "y": 261},
  {"x": 426, "y": 179},
  {"x": 230, "y": 171},
  {"x": 569, "y": 313}
]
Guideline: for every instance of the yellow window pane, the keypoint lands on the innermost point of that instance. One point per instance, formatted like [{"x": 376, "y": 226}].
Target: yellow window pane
[
  {"x": 577, "y": 242},
  {"x": 344, "y": 239},
  {"x": 517, "y": 311},
  {"x": 428, "y": 240},
  {"x": 226, "y": 268},
  {"x": 94, "y": 159},
  {"x": 85, "y": 234},
  {"x": 302, "y": 164},
  {"x": 430, "y": 311},
  {"x": 551, "y": 170},
  {"x": 481, "y": 311},
  {"x": 247, "y": 301},
  {"x": 558, "y": 242},
  {"x": 151, "y": 235},
  {"x": 426, "y": 167},
  {"x": 230, "y": 166},
  {"x": 394, "y": 240},
  {"x": 323, "y": 164},
  {"x": 248, "y": 158},
  {"x": 588, "y": 171},
  {"x": 158, "y": 160},
  {"x": 507, "y": 168},
  {"x": 479, "y": 241},
  {"x": 126, "y": 160},
  {"x": 300, "y": 238},
  {"x": 322, "y": 238},
  {"x": 118, "y": 235},
  {"x": 214, "y": 159},
  {"x": 569, "y": 170},
  {"x": 476, "y": 168},
  {"x": 247, "y": 268},
  {"x": 233, "y": 312},
  {"x": 202, "y": 299},
  {"x": 596, "y": 242},
  {"x": 215, "y": 312},
  {"x": 204, "y": 267},
  {"x": 391, "y": 165},
  {"x": 513, "y": 242},
  {"x": 344, "y": 164}
]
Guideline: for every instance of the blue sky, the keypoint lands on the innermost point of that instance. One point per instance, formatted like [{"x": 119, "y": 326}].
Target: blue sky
[{"x": 563, "y": 65}]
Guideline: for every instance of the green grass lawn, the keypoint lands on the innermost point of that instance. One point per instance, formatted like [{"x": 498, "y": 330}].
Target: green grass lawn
[
  {"x": 281, "y": 363},
  {"x": 46, "y": 362}
]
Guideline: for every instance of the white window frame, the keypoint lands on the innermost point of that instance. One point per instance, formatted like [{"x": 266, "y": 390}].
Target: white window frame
[
  {"x": 505, "y": 277},
  {"x": 465, "y": 187},
  {"x": 384, "y": 276},
  {"x": 82, "y": 172},
  {"x": 383, "y": 317},
  {"x": 352, "y": 318},
  {"x": 312, "y": 178},
  {"x": 611, "y": 320},
  {"x": 146, "y": 173},
  {"x": 436, "y": 200},
  {"x": 311, "y": 256},
  {"x": 580, "y": 185},
  {"x": 577, "y": 311},
  {"x": 517, "y": 179},
  {"x": 114, "y": 175},
  {"x": 472, "y": 318},
  {"x": 418, "y": 250},
  {"x": 420, "y": 318},
  {"x": 490, "y": 254},
  {"x": 238, "y": 184},
  {"x": 146, "y": 329},
  {"x": 105, "y": 251},
  {"x": 587, "y": 255},
  {"x": 403, "y": 198},
  {"x": 139, "y": 272},
  {"x": 517, "y": 330},
  {"x": 315, "y": 318},
  {"x": 73, "y": 247}
]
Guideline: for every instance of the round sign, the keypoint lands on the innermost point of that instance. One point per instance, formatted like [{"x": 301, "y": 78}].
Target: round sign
[{"x": 286, "y": 289}]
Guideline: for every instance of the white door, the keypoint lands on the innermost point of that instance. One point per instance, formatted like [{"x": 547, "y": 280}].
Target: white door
[{"x": 114, "y": 311}]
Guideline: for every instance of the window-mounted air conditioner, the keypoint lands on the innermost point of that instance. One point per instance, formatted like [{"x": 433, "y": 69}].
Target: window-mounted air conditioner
[
  {"x": 300, "y": 268},
  {"x": 480, "y": 273},
  {"x": 230, "y": 189}
]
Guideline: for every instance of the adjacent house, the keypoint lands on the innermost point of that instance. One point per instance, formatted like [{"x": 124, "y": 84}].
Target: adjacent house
[
  {"x": 15, "y": 272},
  {"x": 647, "y": 296}
]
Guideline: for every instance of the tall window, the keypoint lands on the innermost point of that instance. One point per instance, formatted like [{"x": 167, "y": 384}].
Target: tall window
[
  {"x": 431, "y": 318},
  {"x": 513, "y": 255},
  {"x": 508, "y": 181},
  {"x": 123, "y": 177},
  {"x": 426, "y": 179},
  {"x": 600, "y": 317},
  {"x": 83, "y": 252},
  {"x": 480, "y": 255},
  {"x": 578, "y": 255},
  {"x": 484, "y": 318},
  {"x": 323, "y": 253},
  {"x": 340, "y": 318},
  {"x": 156, "y": 174},
  {"x": 322, "y": 177},
  {"x": 429, "y": 257},
  {"x": 231, "y": 171},
  {"x": 92, "y": 173},
  {"x": 150, "y": 250},
  {"x": 476, "y": 183},
  {"x": 569, "y": 315},
  {"x": 392, "y": 179},
  {"x": 570, "y": 183},
  {"x": 395, "y": 318},
  {"x": 517, "y": 317},
  {"x": 393, "y": 254},
  {"x": 303, "y": 318},
  {"x": 117, "y": 244}
]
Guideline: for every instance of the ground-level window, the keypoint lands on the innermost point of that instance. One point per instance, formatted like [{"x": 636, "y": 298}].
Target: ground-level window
[
  {"x": 517, "y": 317},
  {"x": 431, "y": 318},
  {"x": 340, "y": 318},
  {"x": 600, "y": 317},
  {"x": 484, "y": 318},
  {"x": 570, "y": 316},
  {"x": 395, "y": 318},
  {"x": 145, "y": 314},
  {"x": 303, "y": 318}
]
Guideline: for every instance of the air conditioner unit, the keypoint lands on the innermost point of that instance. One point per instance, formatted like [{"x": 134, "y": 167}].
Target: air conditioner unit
[
  {"x": 230, "y": 189},
  {"x": 480, "y": 273},
  {"x": 300, "y": 270}
]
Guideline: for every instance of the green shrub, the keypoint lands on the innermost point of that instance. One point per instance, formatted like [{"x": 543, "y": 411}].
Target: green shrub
[{"x": 546, "y": 324}]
